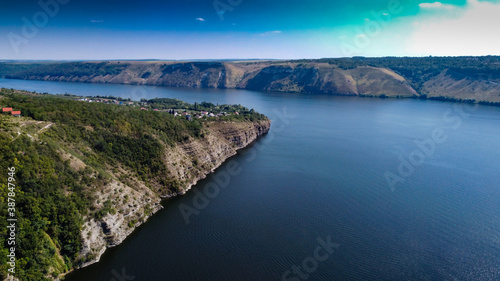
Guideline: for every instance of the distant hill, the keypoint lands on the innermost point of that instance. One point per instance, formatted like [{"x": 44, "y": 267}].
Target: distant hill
[{"x": 468, "y": 79}]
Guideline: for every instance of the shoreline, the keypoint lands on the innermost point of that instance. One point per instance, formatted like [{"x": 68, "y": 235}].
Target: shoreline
[
  {"x": 420, "y": 97},
  {"x": 159, "y": 206}
]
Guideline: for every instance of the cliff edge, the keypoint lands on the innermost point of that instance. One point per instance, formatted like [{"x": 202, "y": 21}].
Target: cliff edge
[{"x": 187, "y": 163}]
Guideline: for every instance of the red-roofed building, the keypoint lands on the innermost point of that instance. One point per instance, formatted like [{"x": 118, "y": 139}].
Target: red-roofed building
[
  {"x": 16, "y": 113},
  {"x": 7, "y": 109}
]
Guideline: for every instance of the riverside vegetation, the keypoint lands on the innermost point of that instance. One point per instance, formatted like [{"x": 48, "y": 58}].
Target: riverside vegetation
[{"x": 88, "y": 173}]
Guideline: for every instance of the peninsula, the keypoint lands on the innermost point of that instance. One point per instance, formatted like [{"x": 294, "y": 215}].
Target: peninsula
[{"x": 89, "y": 170}]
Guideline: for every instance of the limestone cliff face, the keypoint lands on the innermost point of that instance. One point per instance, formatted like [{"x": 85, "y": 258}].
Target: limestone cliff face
[
  {"x": 193, "y": 160},
  {"x": 187, "y": 163},
  {"x": 190, "y": 74},
  {"x": 324, "y": 79},
  {"x": 312, "y": 78},
  {"x": 135, "y": 204},
  {"x": 452, "y": 85}
]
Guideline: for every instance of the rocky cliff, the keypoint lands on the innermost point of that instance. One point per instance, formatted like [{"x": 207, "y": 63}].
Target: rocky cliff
[{"x": 187, "y": 163}]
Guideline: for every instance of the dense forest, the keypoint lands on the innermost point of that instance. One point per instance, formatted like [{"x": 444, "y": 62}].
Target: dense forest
[
  {"x": 52, "y": 199},
  {"x": 61, "y": 69}
]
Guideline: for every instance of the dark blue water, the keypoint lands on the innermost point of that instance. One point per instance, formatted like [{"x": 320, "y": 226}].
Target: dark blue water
[{"x": 320, "y": 177}]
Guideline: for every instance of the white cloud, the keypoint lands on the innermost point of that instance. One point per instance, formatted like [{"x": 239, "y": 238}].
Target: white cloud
[
  {"x": 435, "y": 5},
  {"x": 271, "y": 32},
  {"x": 96, "y": 21},
  {"x": 200, "y": 19},
  {"x": 468, "y": 30}
]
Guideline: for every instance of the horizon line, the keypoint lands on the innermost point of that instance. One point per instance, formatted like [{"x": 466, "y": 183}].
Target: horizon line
[{"x": 234, "y": 59}]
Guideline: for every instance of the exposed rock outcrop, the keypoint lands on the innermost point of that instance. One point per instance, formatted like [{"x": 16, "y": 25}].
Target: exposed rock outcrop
[{"x": 187, "y": 163}]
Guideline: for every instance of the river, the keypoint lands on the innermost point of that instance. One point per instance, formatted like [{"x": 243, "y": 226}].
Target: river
[{"x": 342, "y": 188}]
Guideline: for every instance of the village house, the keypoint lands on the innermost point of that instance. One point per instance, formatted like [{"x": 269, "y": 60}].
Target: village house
[
  {"x": 6, "y": 109},
  {"x": 16, "y": 113}
]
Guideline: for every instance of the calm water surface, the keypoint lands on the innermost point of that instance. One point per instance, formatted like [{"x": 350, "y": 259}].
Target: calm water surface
[{"x": 321, "y": 174}]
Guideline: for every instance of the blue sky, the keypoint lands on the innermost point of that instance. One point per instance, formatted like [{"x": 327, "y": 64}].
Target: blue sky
[{"x": 226, "y": 29}]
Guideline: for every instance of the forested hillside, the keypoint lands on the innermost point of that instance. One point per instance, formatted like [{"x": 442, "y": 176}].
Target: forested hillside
[{"x": 79, "y": 163}]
